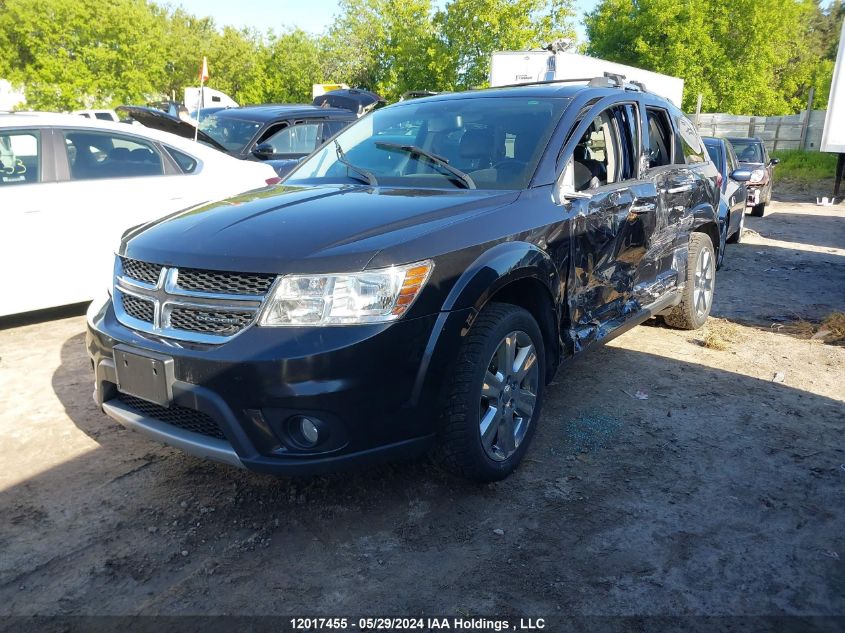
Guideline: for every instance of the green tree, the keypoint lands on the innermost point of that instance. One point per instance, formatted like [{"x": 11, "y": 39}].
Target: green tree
[
  {"x": 743, "y": 56},
  {"x": 82, "y": 53},
  {"x": 470, "y": 30},
  {"x": 384, "y": 45},
  {"x": 291, "y": 66}
]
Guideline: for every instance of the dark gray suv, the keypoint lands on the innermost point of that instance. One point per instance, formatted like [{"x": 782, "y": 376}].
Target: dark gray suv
[{"x": 414, "y": 284}]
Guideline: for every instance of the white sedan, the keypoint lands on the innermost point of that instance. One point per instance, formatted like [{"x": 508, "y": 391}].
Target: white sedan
[{"x": 70, "y": 187}]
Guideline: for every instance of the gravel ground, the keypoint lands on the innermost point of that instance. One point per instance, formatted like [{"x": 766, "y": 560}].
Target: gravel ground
[{"x": 722, "y": 493}]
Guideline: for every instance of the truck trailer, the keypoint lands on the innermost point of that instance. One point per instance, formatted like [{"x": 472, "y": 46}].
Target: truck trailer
[{"x": 517, "y": 67}]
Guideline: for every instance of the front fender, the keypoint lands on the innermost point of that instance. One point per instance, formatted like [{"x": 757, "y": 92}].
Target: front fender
[
  {"x": 499, "y": 266},
  {"x": 491, "y": 271}
]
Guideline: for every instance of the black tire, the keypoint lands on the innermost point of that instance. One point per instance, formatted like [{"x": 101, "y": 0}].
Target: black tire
[
  {"x": 736, "y": 238},
  {"x": 460, "y": 447},
  {"x": 758, "y": 210},
  {"x": 690, "y": 314}
]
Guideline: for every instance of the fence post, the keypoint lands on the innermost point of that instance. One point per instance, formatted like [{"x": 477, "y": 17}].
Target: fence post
[
  {"x": 751, "y": 127},
  {"x": 698, "y": 109},
  {"x": 807, "y": 115}
]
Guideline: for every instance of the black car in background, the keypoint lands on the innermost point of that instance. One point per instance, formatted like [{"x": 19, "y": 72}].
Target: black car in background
[
  {"x": 752, "y": 154},
  {"x": 415, "y": 283},
  {"x": 278, "y": 134},
  {"x": 732, "y": 183}
]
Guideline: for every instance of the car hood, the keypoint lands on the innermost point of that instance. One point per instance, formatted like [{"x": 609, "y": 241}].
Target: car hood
[
  {"x": 751, "y": 166},
  {"x": 316, "y": 229},
  {"x": 158, "y": 120}
]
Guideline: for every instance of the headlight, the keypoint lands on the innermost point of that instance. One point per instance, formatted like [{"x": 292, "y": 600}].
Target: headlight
[
  {"x": 372, "y": 296},
  {"x": 758, "y": 175}
]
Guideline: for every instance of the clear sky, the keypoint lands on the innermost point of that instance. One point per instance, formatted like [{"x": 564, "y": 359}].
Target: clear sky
[{"x": 310, "y": 15}]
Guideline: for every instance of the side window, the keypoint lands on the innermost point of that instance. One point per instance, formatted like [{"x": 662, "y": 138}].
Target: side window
[
  {"x": 20, "y": 157},
  {"x": 732, "y": 161},
  {"x": 94, "y": 155},
  {"x": 659, "y": 138},
  {"x": 607, "y": 152},
  {"x": 596, "y": 155},
  {"x": 186, "y": 163},
  {"x": 300, "y": 138},
  {"x": 691, "y": 143}
]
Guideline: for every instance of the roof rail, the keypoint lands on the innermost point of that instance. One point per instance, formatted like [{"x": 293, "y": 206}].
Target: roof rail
[{"x": 609, "y": 80}]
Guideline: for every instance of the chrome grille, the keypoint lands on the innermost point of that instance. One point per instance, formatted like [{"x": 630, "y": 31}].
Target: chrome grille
[
  {"x": 217, "y": 322},
  {"x": 225, "y": 283},
  {"x": 141, "y": 271},
  {"x": 137, "y": 308},
  {"x": 182, "y": 417},
  {"x": 203, "y": 306}
]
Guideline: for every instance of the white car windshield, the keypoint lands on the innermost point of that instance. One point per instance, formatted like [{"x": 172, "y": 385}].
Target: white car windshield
[{"x": 491, "y": 142}]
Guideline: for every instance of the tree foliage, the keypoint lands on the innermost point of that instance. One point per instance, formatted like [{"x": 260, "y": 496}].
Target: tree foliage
[
  {"x": 84, "y": 53},
  {"x": 744, "y": 56}
]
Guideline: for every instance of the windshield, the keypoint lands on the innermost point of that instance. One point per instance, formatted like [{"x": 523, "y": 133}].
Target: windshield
[
  {"x": 497, "y": 141},
  {"x": 748, "y": 151},
  {"x": 233, "y": 134}
]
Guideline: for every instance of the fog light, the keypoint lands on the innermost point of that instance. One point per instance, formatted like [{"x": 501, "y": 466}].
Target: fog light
[{"x": 310, "y": 432}]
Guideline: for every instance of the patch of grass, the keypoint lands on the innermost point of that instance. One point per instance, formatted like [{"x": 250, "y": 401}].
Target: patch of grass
[
  {"x": 830, "y": 331},
  {"x": 833, "y": 328},
  {"x": 720, "y": 334},
  {"x": 801, "y": 166}
]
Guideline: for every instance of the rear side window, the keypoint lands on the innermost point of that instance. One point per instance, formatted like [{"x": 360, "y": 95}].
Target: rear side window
[
  {"x": 20, "y": 157},
  {"x": 186, "y": 163},
  {"x": 301, "y": 138},
  {"x": 98, "y": 155},
  {"x": 714, "y": 152},
  {"x": 691, "y": 143},
  {"x": 103, "y": 116},
  {"x": 659, "y": 138}
]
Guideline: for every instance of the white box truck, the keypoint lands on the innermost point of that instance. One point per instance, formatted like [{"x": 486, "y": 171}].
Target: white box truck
[
  {"x": 517, "y": 67},
  {"x": 833, "y": 137}
]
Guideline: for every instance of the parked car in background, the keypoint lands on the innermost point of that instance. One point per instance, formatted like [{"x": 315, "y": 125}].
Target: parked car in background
[
  {"x": 69, "y": 187},
  {"x": 752, "y": 154},
  {"x": 102, "y": 115},
  {"x": 393, "y": 295},
  {"x": 358, "y": 101},
  {"x": 280, "y": 135},
  {"x": 734, "y": 192}
]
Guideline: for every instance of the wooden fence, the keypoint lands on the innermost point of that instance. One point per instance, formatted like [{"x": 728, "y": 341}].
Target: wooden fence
[{"x": 796, "y": 131}]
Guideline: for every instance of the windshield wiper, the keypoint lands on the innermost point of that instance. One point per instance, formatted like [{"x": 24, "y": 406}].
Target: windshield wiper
[
  {"x": 433, "y": 158},
  {"x": 366, "y": 176}
]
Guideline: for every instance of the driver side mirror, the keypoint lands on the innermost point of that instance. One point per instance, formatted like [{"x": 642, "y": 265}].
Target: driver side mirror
[
  {"x": 264, "y": 151},
  {"x": 774, "y": 161},
  {"x": 565, "y": 188}
]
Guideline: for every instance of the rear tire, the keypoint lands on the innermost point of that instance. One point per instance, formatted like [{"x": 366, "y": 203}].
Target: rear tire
[
  {"x": 495, "y": 397},
  {"x": 700, "y": 285},
  {"x": 736, "y": 238},
  {"x": 758, "y": 210}
]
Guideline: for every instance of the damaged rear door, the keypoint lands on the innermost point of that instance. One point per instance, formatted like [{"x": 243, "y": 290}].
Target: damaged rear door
[{"x": 615, "y": 214}]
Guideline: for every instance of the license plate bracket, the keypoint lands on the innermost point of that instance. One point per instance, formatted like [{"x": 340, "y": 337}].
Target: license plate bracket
[{"x": 143, "y": 374}]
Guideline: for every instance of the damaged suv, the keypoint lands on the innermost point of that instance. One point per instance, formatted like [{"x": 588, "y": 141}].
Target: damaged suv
[{"x": 415, "y": 283}]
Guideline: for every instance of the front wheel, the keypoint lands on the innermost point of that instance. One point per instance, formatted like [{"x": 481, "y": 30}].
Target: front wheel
[
  {"x": 495, "y": 395},
  {"x": 697, "y": 299},
  {"x": 758, "y": 210}
]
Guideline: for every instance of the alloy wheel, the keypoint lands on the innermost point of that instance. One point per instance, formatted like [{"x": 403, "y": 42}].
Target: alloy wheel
[
  {"x": 508, "y": 395},
  {"x": 703, "y": 288}
]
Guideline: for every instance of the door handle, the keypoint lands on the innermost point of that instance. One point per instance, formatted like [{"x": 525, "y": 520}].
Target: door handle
[
  {"x": 639, "y": 209},
  {"x": 680, "y": 189}
]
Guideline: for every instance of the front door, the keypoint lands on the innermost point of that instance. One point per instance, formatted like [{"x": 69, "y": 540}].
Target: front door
[{"x": 612, "y": 225}]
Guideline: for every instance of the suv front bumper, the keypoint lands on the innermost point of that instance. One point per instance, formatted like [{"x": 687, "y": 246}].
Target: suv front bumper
[{"x": 375, "y": 390}]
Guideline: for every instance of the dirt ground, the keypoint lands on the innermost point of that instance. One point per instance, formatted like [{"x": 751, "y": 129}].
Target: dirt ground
[{"x": 722, "y": 493}]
